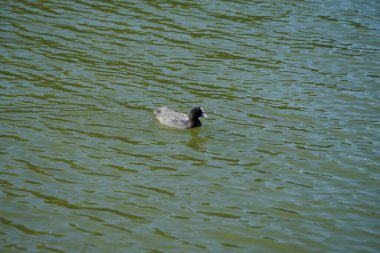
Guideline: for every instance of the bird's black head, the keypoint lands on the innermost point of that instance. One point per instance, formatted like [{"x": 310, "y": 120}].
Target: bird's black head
[{"x": 194, "y": 116}]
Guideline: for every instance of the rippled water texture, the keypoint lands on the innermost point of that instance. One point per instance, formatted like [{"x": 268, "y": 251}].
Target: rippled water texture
[{"x": 288, "y": 160}]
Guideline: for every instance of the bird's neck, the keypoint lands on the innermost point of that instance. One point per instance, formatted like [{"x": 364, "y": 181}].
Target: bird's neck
[{"x": 194, "y": 123}]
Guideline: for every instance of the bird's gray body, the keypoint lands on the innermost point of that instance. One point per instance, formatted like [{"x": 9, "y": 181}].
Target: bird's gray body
[{"x": 171, "y": 118}]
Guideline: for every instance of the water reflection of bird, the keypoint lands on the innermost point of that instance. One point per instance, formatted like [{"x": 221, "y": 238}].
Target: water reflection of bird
[{"x": 195, "y": 142}]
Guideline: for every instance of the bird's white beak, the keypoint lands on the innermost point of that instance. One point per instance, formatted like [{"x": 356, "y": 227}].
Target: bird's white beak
[{"x": 203, "y": 113}]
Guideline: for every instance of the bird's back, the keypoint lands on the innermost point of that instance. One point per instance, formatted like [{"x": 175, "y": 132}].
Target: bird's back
[{"x": 171, "y": 118}]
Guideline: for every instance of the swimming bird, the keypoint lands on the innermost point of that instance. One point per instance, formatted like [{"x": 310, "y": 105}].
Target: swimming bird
[{"x": 175, "y": 119}]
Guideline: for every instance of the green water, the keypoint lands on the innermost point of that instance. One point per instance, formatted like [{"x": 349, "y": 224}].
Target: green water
[{"x": 288, "y": 160}]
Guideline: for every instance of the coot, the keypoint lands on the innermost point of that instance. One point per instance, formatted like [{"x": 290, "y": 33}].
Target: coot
[{"x": 175, "y": 119}]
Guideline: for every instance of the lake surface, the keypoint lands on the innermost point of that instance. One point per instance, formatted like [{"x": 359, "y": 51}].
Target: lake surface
[{"x": 288, "y": 160}]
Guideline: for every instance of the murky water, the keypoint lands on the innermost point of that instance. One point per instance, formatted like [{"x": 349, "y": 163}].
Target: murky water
[{"x": 288, "y": 160}]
